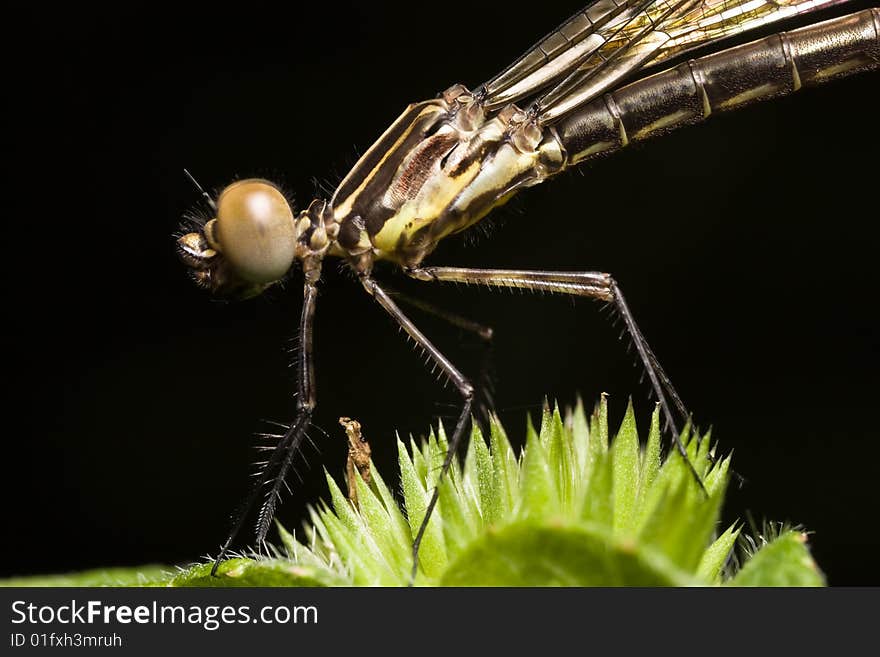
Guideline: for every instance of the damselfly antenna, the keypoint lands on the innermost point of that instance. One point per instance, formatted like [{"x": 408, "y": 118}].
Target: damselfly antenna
[{"x": 204, "y": 194}]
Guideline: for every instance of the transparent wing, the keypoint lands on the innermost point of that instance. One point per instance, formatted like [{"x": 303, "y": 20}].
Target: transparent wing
[
  {"x": 657, "y": 34},
  {"x": 630, "y": 46},
  {"x": 715, "y": 20},
  {"x": 608, "y": 40},
  {"x": 560, "y": 52}
]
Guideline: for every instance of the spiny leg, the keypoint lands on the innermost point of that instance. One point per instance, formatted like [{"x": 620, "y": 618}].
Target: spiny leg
[
  {"x": 271, "y": 477},
  {"x": 484, "y": 388},
  {"x": 595, "y": 285},
  {"x": 480, "y": 330},
  {"x": 461, "y": 383}
]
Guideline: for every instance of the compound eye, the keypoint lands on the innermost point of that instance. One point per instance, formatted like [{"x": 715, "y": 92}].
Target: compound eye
[{"x": 255, "y": 230}]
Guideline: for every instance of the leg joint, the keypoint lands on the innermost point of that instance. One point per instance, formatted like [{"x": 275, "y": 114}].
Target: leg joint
[
  {"x": 368, "y": 283},
  {"x": 613, "y": 289},
  {"x": 421, "y": 273}
]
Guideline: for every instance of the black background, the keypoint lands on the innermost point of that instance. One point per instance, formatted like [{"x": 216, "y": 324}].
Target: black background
[{"x": 746, "y": 247}]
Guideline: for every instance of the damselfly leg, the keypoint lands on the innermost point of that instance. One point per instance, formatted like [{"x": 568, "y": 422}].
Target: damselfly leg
[
  {"x": 594, "y": 285},
  {"x": 482, "y": 331},
  {"x": 273, "y": 473},
  {"x": 484, "y": 384},
  {"x": 465, "y": 389}
]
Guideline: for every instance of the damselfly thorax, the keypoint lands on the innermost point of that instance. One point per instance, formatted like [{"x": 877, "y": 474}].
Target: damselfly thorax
[
  {"x": 446, "y": 163},
  {"x": 440, "y": 168}
]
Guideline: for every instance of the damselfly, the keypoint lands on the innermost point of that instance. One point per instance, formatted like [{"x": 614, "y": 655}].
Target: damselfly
[{"x": 445, "y": 163}]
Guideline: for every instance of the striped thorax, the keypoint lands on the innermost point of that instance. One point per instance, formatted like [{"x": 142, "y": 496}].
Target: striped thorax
[{"x": 440, "y": 168}]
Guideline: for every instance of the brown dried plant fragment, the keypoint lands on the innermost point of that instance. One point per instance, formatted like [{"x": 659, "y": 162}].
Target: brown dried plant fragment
[{"x": 358, "y": 457}]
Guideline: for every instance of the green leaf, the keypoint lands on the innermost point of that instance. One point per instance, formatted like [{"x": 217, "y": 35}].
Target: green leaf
[
  {"x": 625, "y": 475},
  {"x": 526, "y": 554},
  {"x": 459, "y": 518},
  {"x": 393, "y": 546},
  {"x": 505, "y": 470},
  {"x": 398, "y": 522},
  {"x": 579, "y": 433},
  {"x": 539, "y": 494},
  {"x": 418, "y": 460},
  {"x": 598, "y": 503},
  {"x": 256, "y": 572},
  {"x": 681, "y": 522},
  {"x": 716, "y": 555},
  {"x": 650, "y": 461},
  {"x": 432, "y": 552},
  {"x": 560, "y": 455},
  {"x": 349, "y": 545},
  {"x": 599, "y": 428},
  {"x": 150, "y": 575},
  {"x": 491, "y": 505},
  {"x": 355, "y": 540},
  {"x": 716, "y": 479},
  {"x": 784, "y": 561},
  {"x": 296, "y": 551}
]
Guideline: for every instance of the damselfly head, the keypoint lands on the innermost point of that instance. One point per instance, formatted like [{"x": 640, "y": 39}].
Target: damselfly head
[{"x": 250, "y": 244}]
